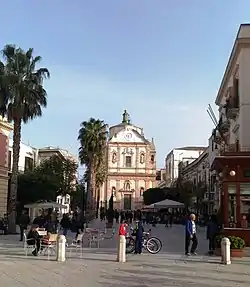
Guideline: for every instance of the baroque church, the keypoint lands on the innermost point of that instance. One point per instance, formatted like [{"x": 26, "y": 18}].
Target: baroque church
[{"x": 131, "y": 166}]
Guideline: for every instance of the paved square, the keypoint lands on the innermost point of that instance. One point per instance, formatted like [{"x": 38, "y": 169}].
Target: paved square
[{"x": 98, "y": 267}]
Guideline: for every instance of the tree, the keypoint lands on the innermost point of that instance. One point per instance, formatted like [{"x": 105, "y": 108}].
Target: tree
[
  {"x": 199, "y": 192},
  {"x": 153, "y": 195},
  {"x": 93, "y": 138},
  {"x": 78, "y": 196},
  {"x": 22, "y": 97},
  {"x": 185, "y": 190},
  {"x": 62, "y": 170},
  {"x": 34, "y": 186}
]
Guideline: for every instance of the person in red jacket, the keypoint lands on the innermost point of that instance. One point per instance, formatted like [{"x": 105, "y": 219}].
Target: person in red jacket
[{"x": 123, "y": 228}]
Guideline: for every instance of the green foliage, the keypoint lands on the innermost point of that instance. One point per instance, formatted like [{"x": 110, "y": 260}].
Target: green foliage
[
  {"x": 22, "y": 97},
  {"x": 52, "y": 177},
  {"x": 92, "y": 153},
  {"x": 236, "y": 242},
  {"x": 153, "y": 195},
  {"x": 60, "y": 170},
  {"x": 21, "y": 84},
  {"x": 78, "y": 196},
  {"x": 33, "y": 186}
]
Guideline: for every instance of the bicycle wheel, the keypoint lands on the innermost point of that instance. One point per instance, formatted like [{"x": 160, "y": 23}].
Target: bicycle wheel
[
  {"x": 130, "y": 245},
  {"x": 153, "y": 245}
]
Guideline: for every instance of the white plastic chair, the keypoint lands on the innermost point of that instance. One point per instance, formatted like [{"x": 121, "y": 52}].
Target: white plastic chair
[
  {"x": 95, "y": 236},
  {"x": 76, "y": 244},
  {"x": 26, "y": 246}
]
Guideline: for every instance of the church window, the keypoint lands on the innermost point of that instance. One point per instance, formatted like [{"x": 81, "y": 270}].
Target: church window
[
  {"x": 152, "y": 158},
  {"x": 141, "y": 191},
  {"x": 127, "y": 186},
  {"x": 128, "y": 160},
  {"x": 114, "y": 191},
  {"x": 142, "y": 158}
]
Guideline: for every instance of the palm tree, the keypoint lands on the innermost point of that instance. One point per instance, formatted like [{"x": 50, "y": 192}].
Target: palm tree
[
  {"x": 92, "y": 137},
  {"x": 22, "y": 97}
]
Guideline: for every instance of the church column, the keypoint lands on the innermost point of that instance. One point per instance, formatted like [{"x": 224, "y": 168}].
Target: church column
[
  {"x": 137, "y": 157},
  {"x": 118, "y": 158}
]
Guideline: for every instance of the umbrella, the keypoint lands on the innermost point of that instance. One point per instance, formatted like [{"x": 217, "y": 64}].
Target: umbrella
[
  {"x": 167, "y": 203},
  {"x": 45, "y": 205}
]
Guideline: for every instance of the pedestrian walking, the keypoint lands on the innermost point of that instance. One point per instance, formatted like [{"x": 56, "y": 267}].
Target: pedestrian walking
[{"x": 191, "y": 236}]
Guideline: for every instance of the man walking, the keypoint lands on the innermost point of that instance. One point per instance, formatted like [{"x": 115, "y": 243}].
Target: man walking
[{"x": 191, "y": 236}]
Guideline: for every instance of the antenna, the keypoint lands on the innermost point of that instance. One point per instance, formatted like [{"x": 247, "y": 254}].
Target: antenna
[
  {"x": 212, "y": 113},
  {"x": 211, "y": 117}
]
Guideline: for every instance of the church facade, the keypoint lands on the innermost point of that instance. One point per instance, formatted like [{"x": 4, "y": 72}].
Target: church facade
[{"x": 131, "y": 166}]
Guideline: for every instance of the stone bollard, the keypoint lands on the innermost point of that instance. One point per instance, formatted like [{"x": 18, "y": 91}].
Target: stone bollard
[
  {"x": 225, "y": 251},
  {"x": 121, "y": 253},
  {"x": 60, "y": 248}
]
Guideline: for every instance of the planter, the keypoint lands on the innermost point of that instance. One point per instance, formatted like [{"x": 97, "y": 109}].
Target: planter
[
  {"x": 237, "y": 253},
  {"x": 233, "y": 252}
]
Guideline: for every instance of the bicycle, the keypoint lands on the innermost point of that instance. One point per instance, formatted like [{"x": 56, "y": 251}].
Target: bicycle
[{"x": 150, "y": 243}]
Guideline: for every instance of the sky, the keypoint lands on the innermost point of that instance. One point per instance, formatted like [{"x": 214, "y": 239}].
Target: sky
[{"x": 162, "y": 60}]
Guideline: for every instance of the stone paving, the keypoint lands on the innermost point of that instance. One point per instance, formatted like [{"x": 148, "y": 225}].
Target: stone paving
[{"x": 99, "y": 267}]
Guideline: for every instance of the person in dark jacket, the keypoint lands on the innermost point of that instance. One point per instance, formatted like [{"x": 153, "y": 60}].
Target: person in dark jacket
[
  {"x": 212, "y": 230},
  {"x": 138, "y": 236},
  {"x": 65, "y": 224},
  {"x": 23, "y": 222},
  {"x": 33, "y": 238}
]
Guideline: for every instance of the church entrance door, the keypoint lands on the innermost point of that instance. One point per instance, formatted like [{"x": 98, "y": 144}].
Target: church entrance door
[{"x": 127, "y": 202}]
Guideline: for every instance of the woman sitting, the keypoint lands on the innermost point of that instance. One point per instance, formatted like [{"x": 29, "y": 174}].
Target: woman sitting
[{"x": 33, "y": 238}]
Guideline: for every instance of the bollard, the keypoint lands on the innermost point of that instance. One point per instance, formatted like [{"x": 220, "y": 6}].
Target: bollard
[
  {"x": 225, "y": 251},
  {"x": 121, "y": 253},
  {"x": 60, "y": 248}
]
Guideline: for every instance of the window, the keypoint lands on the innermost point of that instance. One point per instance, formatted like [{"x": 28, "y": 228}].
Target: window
[
  {"x": 141, "y": 191},
  {"x": 152, "y": 158},
  {"x": 9, "y": 160},
  {"x": 128, "y": 161},
  {"x": 127, "y": 186},
  {"x": 113, "y": 191},
  {"x": 28, "y": 164}
]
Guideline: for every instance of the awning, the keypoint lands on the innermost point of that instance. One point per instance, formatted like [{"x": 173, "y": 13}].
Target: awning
[
  {"x": 45, "y": 205},
  {"x": 167, "y": 203}
]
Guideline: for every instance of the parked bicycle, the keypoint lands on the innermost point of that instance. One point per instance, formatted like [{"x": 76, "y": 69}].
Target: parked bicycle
[{"x": 151, "y": 243}]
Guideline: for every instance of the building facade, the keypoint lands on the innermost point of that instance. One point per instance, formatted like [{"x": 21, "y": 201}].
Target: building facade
[
  {"x": 198, "y": 172},
  {"x": 177, "y": 155},
  {"x": 27, "y": 157},
  {"x": 5, "y": 129},
  {"x": 231, "y": 138},
  {"x": 131, "y": 166},
  {"x": 233, "y": 100}
]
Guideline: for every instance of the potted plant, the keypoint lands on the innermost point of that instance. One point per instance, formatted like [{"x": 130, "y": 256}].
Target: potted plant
[{"x": 236, "y": 247}]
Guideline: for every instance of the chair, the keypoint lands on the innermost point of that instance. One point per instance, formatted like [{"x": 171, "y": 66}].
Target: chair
[
  {"x": 95, "y": 237},
  {"x": 26, "y": 246},
  {"x": 50, "y": 247},
  {"x": 76, "y": 244}
]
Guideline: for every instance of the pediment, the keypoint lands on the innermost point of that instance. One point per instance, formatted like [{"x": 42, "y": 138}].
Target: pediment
[{"x": 128, "y": 135}]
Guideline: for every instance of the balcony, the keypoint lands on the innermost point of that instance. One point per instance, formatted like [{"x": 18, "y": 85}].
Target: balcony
[
  {"x": 232, "y": 103},
  {"x": 223, "y": 126}
]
